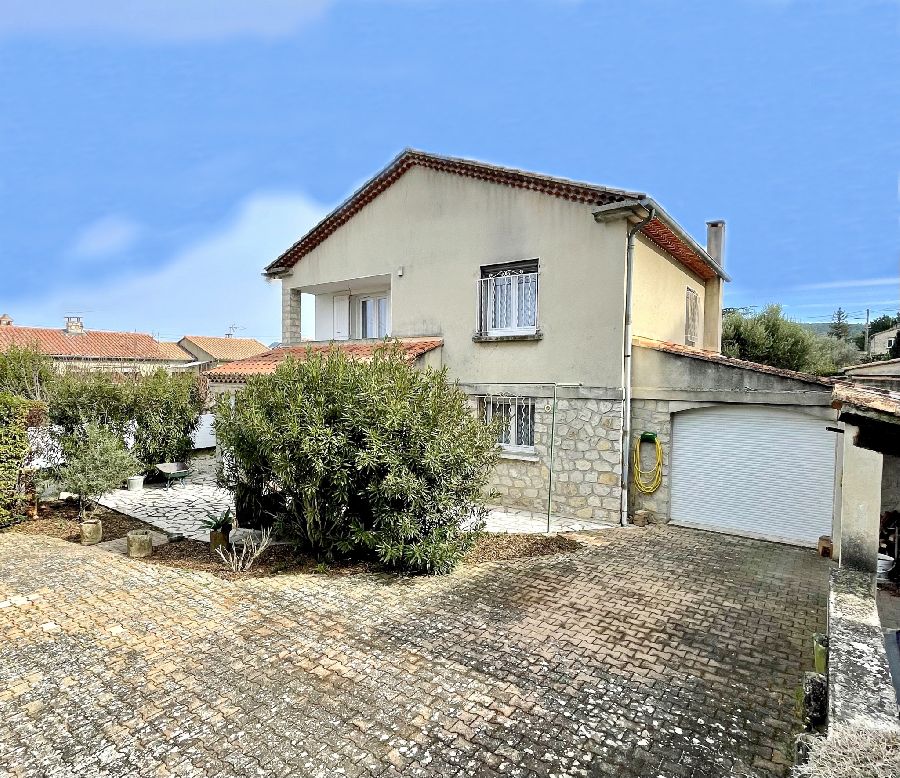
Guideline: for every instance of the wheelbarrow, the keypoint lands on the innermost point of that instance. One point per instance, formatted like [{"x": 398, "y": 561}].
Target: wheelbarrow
[{"x": 173, "y": 471}]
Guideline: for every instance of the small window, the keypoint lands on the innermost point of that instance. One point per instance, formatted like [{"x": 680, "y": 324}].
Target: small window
[
  {"x": 890, "y": 343},
  {"x": 691, "y": 318},
  {"x": 508, "y": 299},
  {"x": 373, "y": 317},
  {"x": 517, "y": 421}
]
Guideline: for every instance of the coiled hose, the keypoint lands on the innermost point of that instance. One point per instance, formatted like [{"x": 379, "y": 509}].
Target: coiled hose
[{"x": 646, "y": 481}]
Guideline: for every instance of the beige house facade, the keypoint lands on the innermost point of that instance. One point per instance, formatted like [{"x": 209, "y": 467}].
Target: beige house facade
[{"x": 581, "y": 315}]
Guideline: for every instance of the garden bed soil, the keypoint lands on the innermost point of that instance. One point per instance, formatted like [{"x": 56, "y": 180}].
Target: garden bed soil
[
  {"x": 59, "y": 519},
  {"x": 282, "y": 560},
  {"x": 499, "y": 547}
]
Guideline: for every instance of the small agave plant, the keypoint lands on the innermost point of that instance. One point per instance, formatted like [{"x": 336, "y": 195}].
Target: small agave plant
[{"x": 219, "y": 526}]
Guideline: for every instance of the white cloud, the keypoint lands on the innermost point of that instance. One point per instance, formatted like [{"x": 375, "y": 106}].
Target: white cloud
[
  {"x": 106, "y": 236},
  {"x": 849, "y": 283},
  {"x": 204, "y": 288},
  {"x": 177, "y": 20}
]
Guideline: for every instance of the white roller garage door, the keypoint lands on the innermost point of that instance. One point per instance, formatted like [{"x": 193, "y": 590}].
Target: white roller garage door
[{"x": 753, "y": 470}]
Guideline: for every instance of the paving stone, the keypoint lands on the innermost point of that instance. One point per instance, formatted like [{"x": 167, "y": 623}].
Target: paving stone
[{"x": 656, "y": 651}]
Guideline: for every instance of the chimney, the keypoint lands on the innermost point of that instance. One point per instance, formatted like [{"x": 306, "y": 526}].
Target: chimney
[
  {"x": 715, "y": 240},
  {"x": 74, "y": 325},
  {"x": 5, "y": 320}
]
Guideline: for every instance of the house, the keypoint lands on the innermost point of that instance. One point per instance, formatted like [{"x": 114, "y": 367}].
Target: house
[
  {"x": 883, "y": 373},
  {"x": 209, "y": 352},
  {"x": 881, "y": 343},
  {"x": 75, "y": 347},
  {"x": 582, "y": 315}
]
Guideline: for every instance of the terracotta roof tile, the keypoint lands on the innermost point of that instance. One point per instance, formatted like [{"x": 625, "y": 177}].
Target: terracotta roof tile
[
  {"x": 721, "y": 359},
  {"x": 264, "y": 364},
  {"x": 90, "y": 344},
  {"x": 227, "y": 348},
  {"x": 577, "y": 191},
  {"x": 174, "y": 352},
  {"x": 881, "y": 401}
]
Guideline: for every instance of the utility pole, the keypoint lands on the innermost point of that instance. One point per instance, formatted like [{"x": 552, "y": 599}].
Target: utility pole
[{"x": 868, "y": 348}]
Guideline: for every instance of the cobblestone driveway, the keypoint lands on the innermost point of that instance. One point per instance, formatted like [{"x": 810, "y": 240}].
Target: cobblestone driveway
[{"x": 651, "y": 652}]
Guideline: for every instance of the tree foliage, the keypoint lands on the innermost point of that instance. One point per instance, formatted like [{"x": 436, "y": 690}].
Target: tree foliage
[
  {"x": 96, "y": 462},
  {"x": 25, "y": 372},
  {"x": 371, "y": 459},
  {"x": 13, "y": 449},
  {"x": 768, "y": 337},
  {"x": 154, "y": 414},
  {"x": 840, "y": 326}
]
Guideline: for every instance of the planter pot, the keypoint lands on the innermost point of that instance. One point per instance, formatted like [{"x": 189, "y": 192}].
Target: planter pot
[
  {"x": 218, "y": 539},
  {"x": 135, "y": 483},
  {"x": 91, "y": 532},
  {"x": 140, "y": 543}
]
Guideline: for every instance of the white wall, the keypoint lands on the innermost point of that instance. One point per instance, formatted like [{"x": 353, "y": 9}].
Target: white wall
[{"x": 442, "y": 229}]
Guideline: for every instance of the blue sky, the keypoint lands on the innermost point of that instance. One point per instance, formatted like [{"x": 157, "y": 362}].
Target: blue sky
[{"x": 155, "y": 156}]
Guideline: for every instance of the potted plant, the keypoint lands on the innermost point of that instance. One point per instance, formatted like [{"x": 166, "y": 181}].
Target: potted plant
[{"x": 219, "y": 529}]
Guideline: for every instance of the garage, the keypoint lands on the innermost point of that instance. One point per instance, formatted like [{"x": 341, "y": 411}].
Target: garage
[{"x": 753, "y": 470}]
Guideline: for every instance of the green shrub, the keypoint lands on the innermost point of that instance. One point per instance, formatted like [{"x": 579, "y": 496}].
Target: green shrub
[
  {"x": 13, "y": 450},
  {"x": 156, "y": 413},
  {"x": 369, "y": 458},
  {"x": 25, "y": 372},
  {"x": 165, "y": 408},
  {"x": 96, "y": 462}
]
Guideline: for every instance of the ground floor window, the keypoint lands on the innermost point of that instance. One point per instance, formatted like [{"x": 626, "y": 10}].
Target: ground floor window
[{"x": 517, "y": 421}]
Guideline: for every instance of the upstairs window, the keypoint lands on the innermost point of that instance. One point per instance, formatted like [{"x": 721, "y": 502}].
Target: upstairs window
[
  {"x": 374, "y": 316},
  {"x": 691, "y": 318},
  {"x": 508, "y": 299},
  {"x": 516, "y": 415}
]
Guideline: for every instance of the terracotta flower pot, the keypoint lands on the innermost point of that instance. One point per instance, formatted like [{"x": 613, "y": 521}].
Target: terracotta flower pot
[
  {"x": 218, "y": 538},
  {"x": 91, "y": 532}
]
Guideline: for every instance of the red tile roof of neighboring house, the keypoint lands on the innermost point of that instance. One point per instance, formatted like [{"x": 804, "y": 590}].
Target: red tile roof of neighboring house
[
  {"x": 90, "y": 344},
  {"x": 264, "y": 364},
  {"x": 721, "y": 359},
  {"x": 174, "y": 352},
  {"x": 657, "y": 230},
  {"x": 866, "y": 366},
  {"x": 882, "y": 401},
  {"x": 227, "y": 348}
]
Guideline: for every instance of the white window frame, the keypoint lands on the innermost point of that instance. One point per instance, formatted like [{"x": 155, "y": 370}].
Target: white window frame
[
  {"x": 890, "y": 342},
  {"x": 487, "y": 289},
  {"x": 487, "y": 405},
  {"x": 374, "y": 298},
  {"x": 691, "y": 317}
]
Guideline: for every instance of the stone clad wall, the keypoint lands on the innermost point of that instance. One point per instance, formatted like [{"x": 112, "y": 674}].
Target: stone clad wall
[
  {"x": 652, "y": 416},
  {"x": 586, "y": 456}
]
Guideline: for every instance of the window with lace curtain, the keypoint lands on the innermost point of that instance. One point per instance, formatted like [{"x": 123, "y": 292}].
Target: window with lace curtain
[
  {"x": 508, "y": 299},
  {"x": 691, "y": 318},
  {"x": 516, "y": 421}
]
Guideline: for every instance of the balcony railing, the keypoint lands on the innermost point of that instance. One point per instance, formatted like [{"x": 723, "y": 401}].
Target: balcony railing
[{"x": 508, "y": 305}]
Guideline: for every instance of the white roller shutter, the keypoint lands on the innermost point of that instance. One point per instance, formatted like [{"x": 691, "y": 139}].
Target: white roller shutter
[{"x": 755, "y": 471}]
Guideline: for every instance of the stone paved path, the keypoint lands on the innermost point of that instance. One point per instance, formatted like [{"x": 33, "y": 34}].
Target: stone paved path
[
  {"x": 181, "y": 508},
  {"x": 649, "y": 652}
]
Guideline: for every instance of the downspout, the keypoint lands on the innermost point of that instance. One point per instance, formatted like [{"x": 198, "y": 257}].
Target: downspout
[{"x": 626, "y": 362}]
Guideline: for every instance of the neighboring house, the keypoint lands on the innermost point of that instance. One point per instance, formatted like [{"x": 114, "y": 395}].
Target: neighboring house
[
  {"x": 882, "y": 342},
  {"x": 74, "y": 347},
  {"x": 884, "y": 373},
  {"x": 524, "y": 281},
  {"x": 209, "y": 352}
]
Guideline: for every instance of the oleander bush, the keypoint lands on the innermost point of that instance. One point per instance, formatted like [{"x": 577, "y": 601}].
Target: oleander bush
[{"x": 367, "y": 459}]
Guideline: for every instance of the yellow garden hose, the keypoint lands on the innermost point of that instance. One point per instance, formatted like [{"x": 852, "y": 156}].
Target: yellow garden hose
[{"x": 646, "y": 481}]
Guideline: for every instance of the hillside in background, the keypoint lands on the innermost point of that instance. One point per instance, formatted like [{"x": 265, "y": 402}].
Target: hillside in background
[{"x": 821, "y": 327}]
